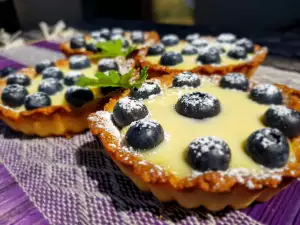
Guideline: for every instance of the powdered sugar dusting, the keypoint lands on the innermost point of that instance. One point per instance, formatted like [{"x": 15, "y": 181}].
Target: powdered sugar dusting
[
  {"x": 106, "y": 123},
  {"x": 206, "y": 144},
  {"x": 130, "y": 105},
  {"x": 235, "y": 78},
  {"x": 281, "y": 111},
  {"x": 145, "y": 123},
  {"x": 199, "y": 43},
  {"x": 77, "y": 59},
  {"x": 267, "y": 89},
  {"x": 226, "y": 37},
  {"x": 206, "y": 100},
  {"x": 187, "y": 77},
  {"x": 170, "y": 37},
  {"x": 264, "y": 137}
]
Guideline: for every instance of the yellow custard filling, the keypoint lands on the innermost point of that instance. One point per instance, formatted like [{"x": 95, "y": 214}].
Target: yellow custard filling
[
  {"x": 59, "y": 97},
  {"x": 239, "y": 117},
  {"x": 190, "y": 61}
]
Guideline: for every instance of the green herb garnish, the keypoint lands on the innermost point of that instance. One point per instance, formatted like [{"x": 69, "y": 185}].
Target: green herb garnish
[
  {"x": 112, "y": 49},
  {"x": 114, "y": 79}
]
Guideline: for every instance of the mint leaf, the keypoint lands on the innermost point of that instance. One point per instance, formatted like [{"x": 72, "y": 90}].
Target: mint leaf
[
  {"x": 112, "y": 76},
  {"x": 114, "y": 79},
  {"x": 84, "y": 81},
  {"x": 142, "y": 77},
  {"x": 112, "y": 49},
  {"x": 125, "y": 78}
]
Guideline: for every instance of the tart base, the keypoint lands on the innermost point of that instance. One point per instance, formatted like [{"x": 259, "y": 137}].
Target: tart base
[
  {"x": 56, "y": 121},
  {"x": 211, "y": 190},
  {"x": 151, "y": 37},
  {"x": 238, "y": 198},
  {"x": 248, "y": 67}
]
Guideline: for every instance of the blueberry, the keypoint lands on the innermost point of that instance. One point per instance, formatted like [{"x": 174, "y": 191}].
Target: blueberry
[
  {"x": 78, "y": 62},
  {"x": 186, "y": 79},
  {"x": 18, "y": 78},
  {"x": 14, "y": 95},
  {"x": 115, "y": 37},
  {"x": 198, "y": 105},
  {"x": 171, "y": 59},
  {"x": 100, "y": 39},
  {"x": 199, "y": 43},
  {"x": 208, "y": 154},
  {"x": 52, "y": 72},
  {"x": 105, "y": 33},
  {"x": 247, "y": 44},
  {"x": 37, "y": 100},
  {"x": 50, "y": 86},
  {"x": 128, "y": 110},
  {"x": 91, "y": 47},
  {"x": 145, "y": 134},
  {"x": 78, "y": 96},
  {"x": 237, "y": 52},
  {"x": 189, "y": 50},
  {"x": 190, "y": 37},
  {"x": 147, "y": 89},
  {"x": 226, "y": 38},
  {"x": 107, "y": 64},
  {"x": 95, "y": 34},
  {"x": 156, "y": 49},
  {"x": 268, "y": 147},
  {"x": 117, "y": 30},
  {"x": 72, "y": 77},
  {"x": 138, "y": 37},
  {"x": 6, "y": 71},
  {"x": 218, "y": 48},
  {"x": 209, "y": 56},
  {"x": 170, "y": 39},
  {"x": 266, "y": 94},
  {"x": 236, "y": 81},
  {"x": 125, "y": 43},
  {"x": 284, "y": 119},
  {"x": 43, "y": 65},
  {"x": 77, "y": 42}
]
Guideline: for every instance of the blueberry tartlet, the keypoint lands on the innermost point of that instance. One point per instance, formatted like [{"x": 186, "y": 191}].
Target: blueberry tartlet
[
  {"x": 45, "y": 100},
  {"x": 203, "y": 140},
  {"x": 85, "y": 44},
  {"x": 202, "y": 55}
]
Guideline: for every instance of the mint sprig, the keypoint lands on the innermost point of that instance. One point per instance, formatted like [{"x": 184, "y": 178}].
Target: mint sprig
[
  {"x": 114, "y": 79},
  {"x": 112, "y": 49}
]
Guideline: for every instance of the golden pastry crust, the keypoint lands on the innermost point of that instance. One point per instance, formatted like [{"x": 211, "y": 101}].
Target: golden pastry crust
[
  {"x": 246, "y": 67},
  {"x": 150, "y": 36},
  {"x": 166, "y": 186},
  {"x": 58, "y": 120}
]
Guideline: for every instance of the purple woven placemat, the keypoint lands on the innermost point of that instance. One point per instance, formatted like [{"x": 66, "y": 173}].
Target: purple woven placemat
[
  {"x": 73, "y": 181},
  {"x": 15, "y": 205}
]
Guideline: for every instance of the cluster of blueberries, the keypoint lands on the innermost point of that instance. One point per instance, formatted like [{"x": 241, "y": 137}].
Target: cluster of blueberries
[
  {"x": 207, "y": 53},
  {"x": 16, "y": 94},
  {"x": 268, "y": 146},
  {"x": 104, "y": 34}
]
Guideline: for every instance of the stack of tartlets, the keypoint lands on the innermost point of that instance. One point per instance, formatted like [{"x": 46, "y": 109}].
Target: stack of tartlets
[{"x": 198, "y": 132}]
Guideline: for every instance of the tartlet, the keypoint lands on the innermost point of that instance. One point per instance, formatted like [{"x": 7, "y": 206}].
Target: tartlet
[
  {"x": 45, "y": 100},
  {"x": 219, "y": 185},
  {"x": 84, "y": 45},
  {"x": 202, "y": 55}
]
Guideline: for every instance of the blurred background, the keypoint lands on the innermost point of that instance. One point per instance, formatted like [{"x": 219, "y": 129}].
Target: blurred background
[
  {"x": 275, "y": 23},
  {"x": 254, "y": 15}
]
